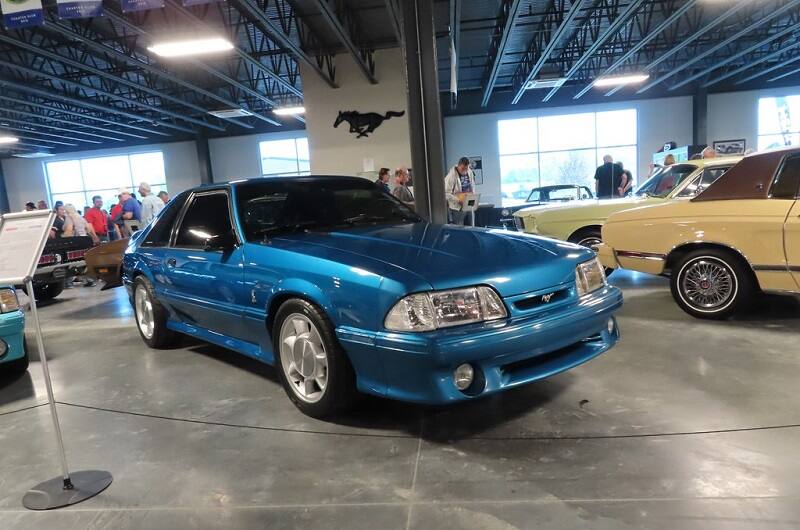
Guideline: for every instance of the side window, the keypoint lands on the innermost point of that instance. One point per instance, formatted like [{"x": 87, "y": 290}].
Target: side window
[
  {"x": 788, "y": 181},
  {"x": 703, "y": 181},
  {"x": 534, "y": 196},
  {"x": 208, "y": 217},
  {"x": 160, "y": 233}
]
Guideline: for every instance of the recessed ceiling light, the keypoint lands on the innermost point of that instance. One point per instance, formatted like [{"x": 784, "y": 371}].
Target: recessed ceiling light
[
  {"x": 289, "y": 111},
  {"x": 8, "y": 139},
  {"x": 621, "y": 80},
  {"x": 187, "y": 48},
  {"x": 230, "y": 113}
]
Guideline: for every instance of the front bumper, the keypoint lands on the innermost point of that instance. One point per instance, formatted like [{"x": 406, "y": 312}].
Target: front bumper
[
  {"x": 62, "y": 271},
  {"x": 12, "y": 333},
  {"x": 418, "y": 367}
]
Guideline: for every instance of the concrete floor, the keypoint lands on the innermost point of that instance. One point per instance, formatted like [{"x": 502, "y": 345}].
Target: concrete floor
[{"x": 685, "y": 424}]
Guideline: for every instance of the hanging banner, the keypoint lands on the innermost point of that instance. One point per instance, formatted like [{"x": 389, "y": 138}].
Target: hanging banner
[
  {"x": 79, "y": 8},
  {"x": 22, "y": 13},
  {"x": 129, "y": 6},
  {"x": 187, "y": 3}
]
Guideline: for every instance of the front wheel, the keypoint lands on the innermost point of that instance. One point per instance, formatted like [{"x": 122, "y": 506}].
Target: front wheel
[
  {"x": 314, "y": 369},
  {"x": 711, "y": 283},
  {"x": 151, "y": 316}
]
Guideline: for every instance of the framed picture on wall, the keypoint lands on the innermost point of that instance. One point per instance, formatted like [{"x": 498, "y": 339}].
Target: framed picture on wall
[
  {"x": 476, "y": 164},
  {"x": 730, "y": 147}
]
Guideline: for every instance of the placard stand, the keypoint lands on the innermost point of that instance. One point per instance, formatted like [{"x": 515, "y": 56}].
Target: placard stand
[{"x": 19, "y": 255}]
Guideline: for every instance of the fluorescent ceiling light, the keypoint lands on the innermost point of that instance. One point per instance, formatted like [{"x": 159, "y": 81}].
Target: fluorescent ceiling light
[
  {"x": 289, "y": 111},
  {"x": 37, "y": 154},
  {"x": 191, "y": 47},
  {"x": 621, "y": 80},
  {"x": 230, "y": 113},
  {"x": 8, "y": 139}
]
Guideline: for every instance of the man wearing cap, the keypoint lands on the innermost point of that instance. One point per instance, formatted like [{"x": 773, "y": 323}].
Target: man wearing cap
[
  {"x": 151, "y": 204},
  {"x": 131, "y": 209}
]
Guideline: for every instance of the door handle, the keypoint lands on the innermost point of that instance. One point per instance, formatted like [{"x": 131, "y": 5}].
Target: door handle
[{"x": 171, "y": 262}]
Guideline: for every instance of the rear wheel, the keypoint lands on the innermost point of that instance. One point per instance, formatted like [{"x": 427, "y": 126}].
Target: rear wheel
[
  {"x": 46, "y": 291},
  {"x": 314, "y": 369},
  {"x": 711, "y": 283},
  {"x": 151, "y": 316}
]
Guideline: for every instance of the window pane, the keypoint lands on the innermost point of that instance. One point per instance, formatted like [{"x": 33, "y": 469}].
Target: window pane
[
  {"x": 772, "y": 141},
  {"x": 518, "y": 175},
  {"x": 626, "y": 155},
  {"x": 208, "y": 217},
  {"x": 279, "y": 156},
  {"x": 785, "y": 187},
  {"x": 617, "y": 127},
  {"x": 303, "y": 157},
  {"x": 148, "y": 167},
  {"x": 106, "y": 172},
  {"x": 570, "y": 131},
  {"x": 64, "y": 176},
  {"x": 78, "y": 200},
  {"x": 568, "y": 167},
  {"x": 517, "y": 136},
  {"x": 778, "y": 114}
]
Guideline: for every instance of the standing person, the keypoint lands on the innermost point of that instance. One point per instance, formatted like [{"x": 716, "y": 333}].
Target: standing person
[
  {"x": 76, "y": 225},
  {"x": 459, "y": 180},
  {"x": 131, "y": 209},
  {"x": 401, "y": 191},
  {"x": 151, "y": 205},
  {"x": 709, "y": 152},
  {"x": 41, "y": 205},
  {"x": 164, "y": 196},
  {"x": 383, "y": 180},
  {"x": 628, "y": 179},
  {"x": 57, "y": 230},
  {"x": 30, "y": 207},
  {"x": 98, "y": 218},
  {"x": 607, "y": 178},
  {"x": 669, "y": 160}
]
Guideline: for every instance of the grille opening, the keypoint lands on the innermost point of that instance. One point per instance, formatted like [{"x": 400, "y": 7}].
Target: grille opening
[
  {"x": 539, "y": 360},
  {"x": 539, "y": 300}
]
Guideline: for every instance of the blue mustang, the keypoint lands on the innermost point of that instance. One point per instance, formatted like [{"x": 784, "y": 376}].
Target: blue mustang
[
  {"x": 345, "y": 289},
  {"x": 13, "y": 353}
]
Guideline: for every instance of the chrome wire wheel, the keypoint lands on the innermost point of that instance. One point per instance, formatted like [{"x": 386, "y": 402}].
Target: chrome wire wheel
[
  {"x": 303, "y": 358},
  {"x": 144, "y": 311},
  {"x": 591, "y": 242},
  {"x": 708, "y": 284}
]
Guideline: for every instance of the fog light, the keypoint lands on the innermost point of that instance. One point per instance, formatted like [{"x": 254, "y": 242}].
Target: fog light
[
  {"x": 463, "y": 376},
  {"x": 611, "y": 325}
]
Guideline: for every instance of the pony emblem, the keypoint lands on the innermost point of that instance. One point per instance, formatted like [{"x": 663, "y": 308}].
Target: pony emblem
[
  {"x": 364, "y": 124},
  {"x": 546, "y": 298}
]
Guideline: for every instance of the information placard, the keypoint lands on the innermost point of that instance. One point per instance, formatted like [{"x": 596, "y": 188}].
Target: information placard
[{"x": 22, "y": 239}]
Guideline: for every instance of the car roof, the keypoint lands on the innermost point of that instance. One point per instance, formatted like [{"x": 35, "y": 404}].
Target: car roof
[
  {"x": 748, "y": 179},
  {"x": 308, "y": 179}
]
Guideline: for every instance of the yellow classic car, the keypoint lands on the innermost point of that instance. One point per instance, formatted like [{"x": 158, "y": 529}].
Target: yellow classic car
[
  {"x": 581, "y": 223},
  {"x": 741, "y": 235}
]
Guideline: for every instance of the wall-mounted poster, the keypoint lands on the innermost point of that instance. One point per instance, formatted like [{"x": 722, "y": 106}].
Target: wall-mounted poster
[
  {"x": 21, "y": 13},
  {"x": 730, "y": 147},
  {"x": 476, "y": 164}
]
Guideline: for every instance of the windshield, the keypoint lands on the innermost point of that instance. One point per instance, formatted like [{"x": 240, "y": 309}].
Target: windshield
[
  {"x": 275, "y": 207},
  {"x": 664, "y": 180}
]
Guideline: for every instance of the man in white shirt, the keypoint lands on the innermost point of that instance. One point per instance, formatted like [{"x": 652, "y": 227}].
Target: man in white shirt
[
  {"x": 151, "y": 204},
  {"x": 459, "y": 181}
]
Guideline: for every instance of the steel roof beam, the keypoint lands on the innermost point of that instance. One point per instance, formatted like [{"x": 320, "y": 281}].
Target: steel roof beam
[
  {"x": 362, "y": 56},
  {"x": 252, "y": 9},
  {"x": 542, "y": 58},
  {"x": 756, "y": 62},
  {"x": 45, "y": 94},
  {"x": 48, "y": 108},
  {"x": 739, "y": 34},
  {"x": 45, "y": 140},
  {"x": 4, "y": 120},
  {"x": 394, "y": 18},
  {"x": 778, "y": 66},
  {"x": 729, "y": 59},
  {"x": 690, "y": 39},
  {"x": 641, "y": 44},
  {"x": 509, "y": 11},
  {"x": 612, "y": 30},
  {"x": 455, "y": 44}
]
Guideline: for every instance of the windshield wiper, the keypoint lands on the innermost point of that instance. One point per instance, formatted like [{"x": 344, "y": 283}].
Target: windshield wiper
[{"x": 288, "y": 228}]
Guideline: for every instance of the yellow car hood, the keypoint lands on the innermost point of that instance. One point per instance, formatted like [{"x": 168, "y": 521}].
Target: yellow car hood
[{"x": 587, "y": 209}]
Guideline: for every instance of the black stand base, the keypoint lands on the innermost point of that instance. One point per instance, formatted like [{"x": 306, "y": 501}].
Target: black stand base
[{"x": 57, "y": 493}]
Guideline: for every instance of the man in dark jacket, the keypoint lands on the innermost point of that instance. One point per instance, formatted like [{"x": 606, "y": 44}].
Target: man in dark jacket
[{"x": 607, "y": 179}]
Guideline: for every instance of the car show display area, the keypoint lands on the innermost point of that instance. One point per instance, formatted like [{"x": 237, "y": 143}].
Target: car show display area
[{"x": 678, "y": 426}]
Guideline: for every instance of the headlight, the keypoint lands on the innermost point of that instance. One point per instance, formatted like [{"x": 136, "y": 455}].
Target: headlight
[
  {"x": 441, "y": 309},
  {"x": 589, "y": 276},
  {"x": 8, "y": 301},
  {"x": 505, "y": 212}
]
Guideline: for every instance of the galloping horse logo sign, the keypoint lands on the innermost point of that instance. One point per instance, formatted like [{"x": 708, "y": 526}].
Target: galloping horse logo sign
[{"x": 364, "y": 124}]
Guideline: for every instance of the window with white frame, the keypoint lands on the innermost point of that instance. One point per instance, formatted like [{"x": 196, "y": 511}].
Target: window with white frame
[
  {"x": 77, "y": 181},
  {"x": 563, "y": 149},
  {"x": 285, "y": 157},
  {"x": 778, "y": 122}
]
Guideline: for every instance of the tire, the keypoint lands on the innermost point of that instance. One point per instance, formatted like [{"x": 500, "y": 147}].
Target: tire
[
  {"x": 729, "y": 289},
  {"x": 302, "y": 334},
  {"x": 151, "y": 316},
  {"x": 19, "y": 366},
  {"x": 589, "y": 238},
  {"x": 45, "y": 292}
]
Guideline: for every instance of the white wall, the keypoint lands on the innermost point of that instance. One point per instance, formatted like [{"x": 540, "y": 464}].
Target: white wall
[
  {"x": 660, "y": 120},
  {"x": 338, "y": 152},
  {"x": 239, "y": 156},
  {"x": 25, "y": 178}
]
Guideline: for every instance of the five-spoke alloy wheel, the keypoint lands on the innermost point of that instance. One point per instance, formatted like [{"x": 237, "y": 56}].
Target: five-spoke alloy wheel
[
  {"x": 303, "y": 358},
  {"x": 151, "y": 316}
]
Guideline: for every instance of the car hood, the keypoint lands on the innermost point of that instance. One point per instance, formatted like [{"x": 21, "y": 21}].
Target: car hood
[
  {"x": 449, "y": 256},
  {"x": 587, "y": 209}
]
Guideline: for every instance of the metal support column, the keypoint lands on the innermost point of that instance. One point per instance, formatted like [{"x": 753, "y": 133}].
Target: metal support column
[
  {"x": 5, "y": 207},
  {"x": 424, "y": 111},
  {"x": 204, "y": 160},
  {"x": 700, "y": 118}
]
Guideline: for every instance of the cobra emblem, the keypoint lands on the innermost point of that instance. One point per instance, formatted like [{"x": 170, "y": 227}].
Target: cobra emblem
[{"x": 546, "y": 298}]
